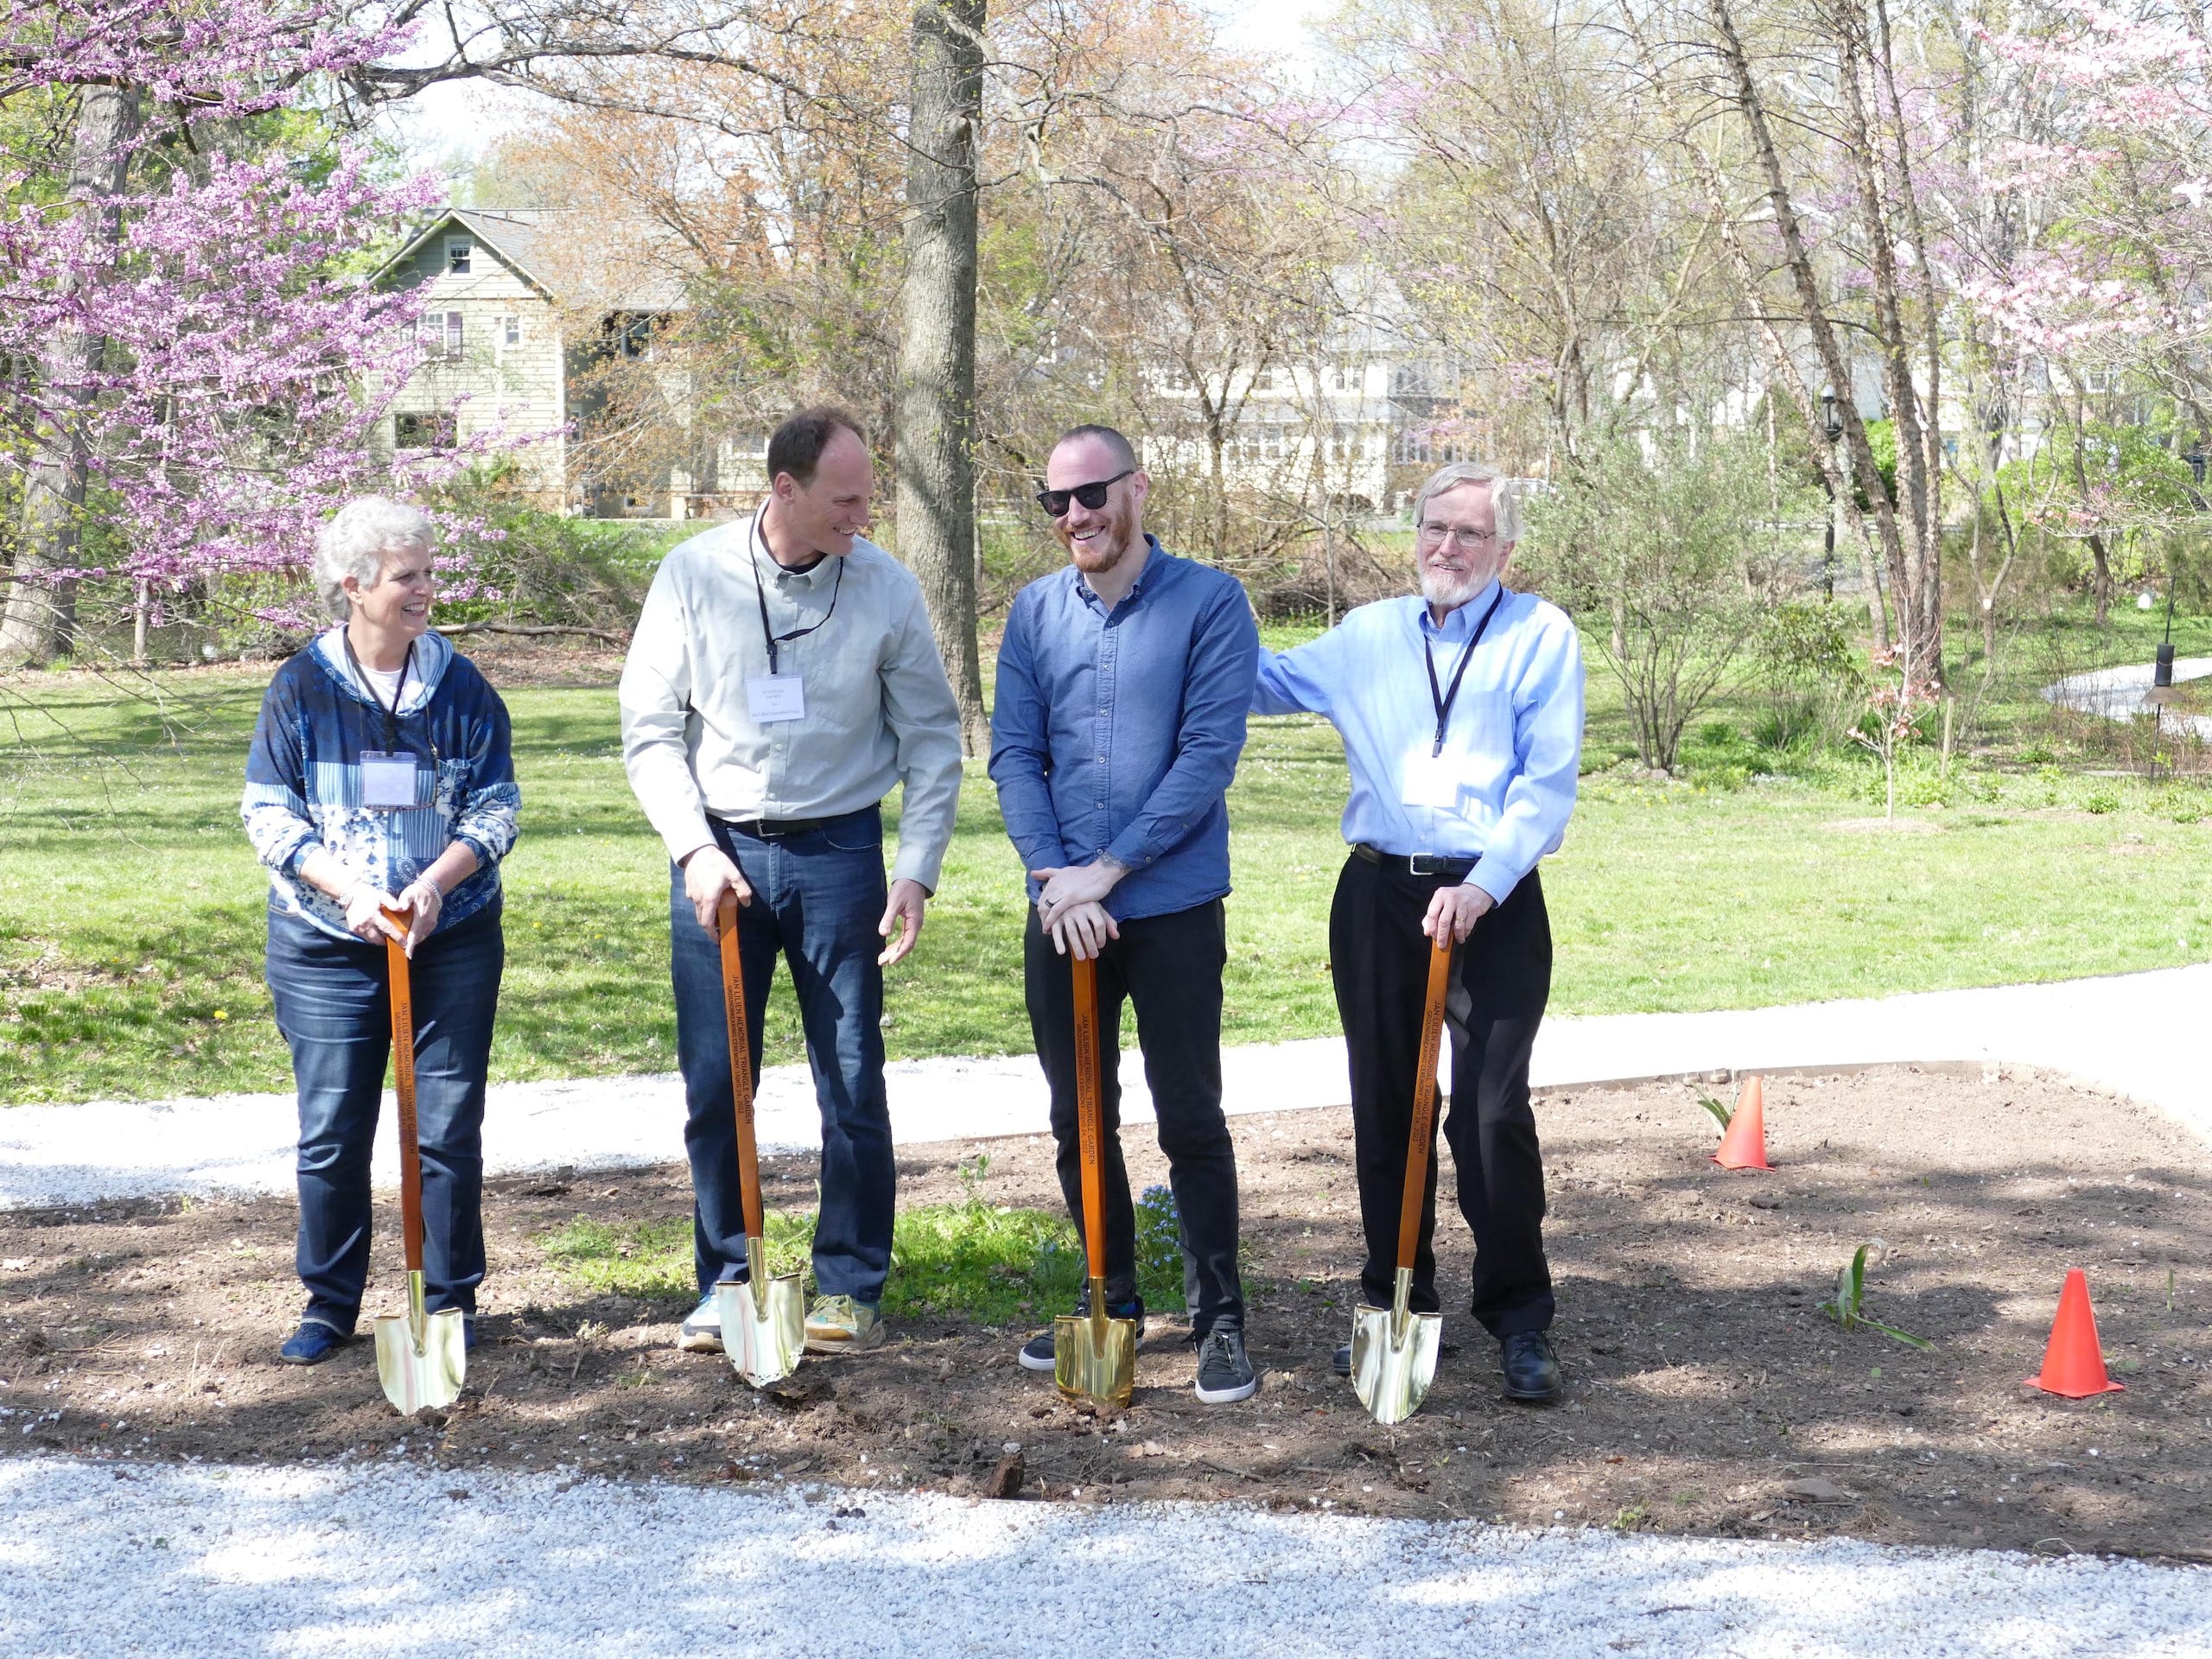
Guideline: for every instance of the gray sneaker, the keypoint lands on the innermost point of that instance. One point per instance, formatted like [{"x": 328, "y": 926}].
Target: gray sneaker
[
  {"x": 702, "y": 1333},
  {"x": 1226, "y": 1376}
]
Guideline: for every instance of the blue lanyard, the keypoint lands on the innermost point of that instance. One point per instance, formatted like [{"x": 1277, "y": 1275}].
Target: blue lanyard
[{"x": 1442, "y": 699}]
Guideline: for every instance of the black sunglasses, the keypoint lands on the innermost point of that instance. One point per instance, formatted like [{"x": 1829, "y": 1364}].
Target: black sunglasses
[{"x": 1093, "y": 496}]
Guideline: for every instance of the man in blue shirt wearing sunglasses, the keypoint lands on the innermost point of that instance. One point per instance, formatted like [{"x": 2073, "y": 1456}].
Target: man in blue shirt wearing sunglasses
[{"x": 1123, "y": 683}]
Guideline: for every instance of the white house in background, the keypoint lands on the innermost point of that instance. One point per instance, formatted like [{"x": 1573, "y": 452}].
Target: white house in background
[
  {"x": 510, "y": 337},
  {"x": 1351, "y": 429}
]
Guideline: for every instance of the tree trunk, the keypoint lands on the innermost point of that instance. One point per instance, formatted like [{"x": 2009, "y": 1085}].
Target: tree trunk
[
  {"x": 1798, "y": 260},
  {"x": 39, "y": 623},
  {"x": 935, "y": 420}
]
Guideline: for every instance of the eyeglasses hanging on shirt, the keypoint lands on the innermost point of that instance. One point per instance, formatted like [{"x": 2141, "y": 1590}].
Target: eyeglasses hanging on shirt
[
  {"x": 1427, "y": 781},
  {"x": 387, "y": 774},
  {"x": 776, "y": 696}
]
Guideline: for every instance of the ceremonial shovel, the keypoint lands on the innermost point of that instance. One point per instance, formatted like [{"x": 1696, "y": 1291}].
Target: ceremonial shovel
[
  {"x": 764, "y": 1321},
  {"x": 1094, "y": 1358},
  {"x": 1394, "y": 1349},
  {"x": 421, "y": 1358}
]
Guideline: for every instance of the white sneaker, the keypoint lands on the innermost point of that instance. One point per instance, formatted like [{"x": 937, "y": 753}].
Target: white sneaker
[{"x": 702, "y": 1333}]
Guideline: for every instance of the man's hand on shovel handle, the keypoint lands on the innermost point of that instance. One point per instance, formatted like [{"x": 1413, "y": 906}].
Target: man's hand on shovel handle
[
  {"x": 708, "y": 873},
  {"x": 908, "y": 900},
  {"x": 1082, "y": 931},
  {"x": 1062, "y": 888},
  {"x": 1457, "y": 908}
]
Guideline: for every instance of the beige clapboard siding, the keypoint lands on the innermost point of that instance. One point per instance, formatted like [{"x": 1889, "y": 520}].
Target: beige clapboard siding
[{"x": 517, "y": 388}]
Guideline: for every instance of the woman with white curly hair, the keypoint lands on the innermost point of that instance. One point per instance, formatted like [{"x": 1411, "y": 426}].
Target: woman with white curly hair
[{"x": 381, "y": 778}]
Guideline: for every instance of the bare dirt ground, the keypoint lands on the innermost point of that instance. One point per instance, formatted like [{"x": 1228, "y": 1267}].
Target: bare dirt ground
[{"x": 1707, "y": 1394}]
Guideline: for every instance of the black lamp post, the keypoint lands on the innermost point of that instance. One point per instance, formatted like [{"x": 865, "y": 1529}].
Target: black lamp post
[{"x": 2162, "y": 670}]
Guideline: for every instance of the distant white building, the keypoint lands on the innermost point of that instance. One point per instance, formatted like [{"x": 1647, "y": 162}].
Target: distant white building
[{"x": 1349, "y": 428}]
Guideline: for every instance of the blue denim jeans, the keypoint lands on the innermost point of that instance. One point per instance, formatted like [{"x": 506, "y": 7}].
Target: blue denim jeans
[
  {"x": 817, "y": 899},
  {"x": 333, "y": 1006}
]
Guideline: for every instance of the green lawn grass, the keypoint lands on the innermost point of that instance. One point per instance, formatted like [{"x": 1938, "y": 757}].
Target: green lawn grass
[
  {"x": 996, "y": 1263},
  {"x": 130, "y": 908}
]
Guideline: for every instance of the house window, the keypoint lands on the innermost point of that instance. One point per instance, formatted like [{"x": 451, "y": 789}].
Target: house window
[
  {"x": 423, "y": 431},
  {"x": 1425, "y": 445},
  {"x": 511, "y": 330},
  {"x": 458, "y": 251},
  {"x": 440, "y": 334}
]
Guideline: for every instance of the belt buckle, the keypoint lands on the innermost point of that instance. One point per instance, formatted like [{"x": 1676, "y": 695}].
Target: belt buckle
[{"x": 1423, "y": 864}]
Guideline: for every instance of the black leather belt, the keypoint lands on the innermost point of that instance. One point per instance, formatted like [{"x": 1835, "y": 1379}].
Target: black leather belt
[
  {"x": 1413, "y": 863},
  {"x": 769, "y": 828}
]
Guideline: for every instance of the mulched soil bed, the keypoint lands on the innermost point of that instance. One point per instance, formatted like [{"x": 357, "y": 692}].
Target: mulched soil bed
[{"x": 1707, "y": 1394}]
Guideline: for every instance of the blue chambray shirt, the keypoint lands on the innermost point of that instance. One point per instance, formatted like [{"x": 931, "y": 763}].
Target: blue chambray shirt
[
  {"x": 1119, "y": 734},
  {"x": 1513, "y": 746}
]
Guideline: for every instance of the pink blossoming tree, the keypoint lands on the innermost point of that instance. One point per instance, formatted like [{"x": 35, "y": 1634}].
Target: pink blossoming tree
[{"x": 197, "y": 363}]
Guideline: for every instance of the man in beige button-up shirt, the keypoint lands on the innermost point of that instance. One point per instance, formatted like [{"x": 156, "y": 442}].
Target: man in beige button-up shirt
[{"x": 782, "y": 678}]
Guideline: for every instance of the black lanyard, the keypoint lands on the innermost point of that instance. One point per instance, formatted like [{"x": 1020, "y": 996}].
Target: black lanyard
[
  {"x": 761, "y": 592},
  {"x": 391, "y": 714},
  {"x": 1443, "y": 699}
]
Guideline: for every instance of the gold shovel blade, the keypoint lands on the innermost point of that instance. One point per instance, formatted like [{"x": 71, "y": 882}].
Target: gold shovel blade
[
  {"x": 1095, "y": 1358},
  {"x": 1394, "y": 1360},
  {"x": 765, "y": 1337},
  {"x": 422, "y": 1358}
]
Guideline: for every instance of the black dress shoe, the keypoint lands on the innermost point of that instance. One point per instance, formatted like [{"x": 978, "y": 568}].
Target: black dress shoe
[
  {"x": 1531, "y": 1367},
  {"x": 1342, "y": 1364}
]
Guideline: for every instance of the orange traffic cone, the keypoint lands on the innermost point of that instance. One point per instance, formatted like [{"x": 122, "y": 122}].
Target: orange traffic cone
[
  {"x": 2074, "y": 1364},
  {"x": 1743, "y": 1146}
]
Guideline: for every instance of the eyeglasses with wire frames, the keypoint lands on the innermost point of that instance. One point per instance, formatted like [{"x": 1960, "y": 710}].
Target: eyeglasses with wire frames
[
  {"x": 1093, "y": 496},
  {"x": 1466, "y": 537}
]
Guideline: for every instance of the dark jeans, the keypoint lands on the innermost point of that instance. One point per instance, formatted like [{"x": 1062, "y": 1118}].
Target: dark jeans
[
  {"x": 1379, "y": 959},
  {"x": 333, "y": 1005},
  {"x": 1169, "y": 967},
  {"x": 817, "y": 899}
]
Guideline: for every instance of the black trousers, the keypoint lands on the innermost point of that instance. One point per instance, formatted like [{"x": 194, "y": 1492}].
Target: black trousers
[
  {"x": 1379, "y": 960},
  {"x": 1170, "y": 967}
]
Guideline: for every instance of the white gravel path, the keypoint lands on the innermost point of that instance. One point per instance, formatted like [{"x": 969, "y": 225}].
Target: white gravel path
[
  {"x": 371, "y": 1560},
  {"x": 2134, "y": 1033}
]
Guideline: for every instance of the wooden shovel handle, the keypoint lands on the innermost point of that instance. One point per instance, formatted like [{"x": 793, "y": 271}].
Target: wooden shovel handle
[
  {"x": 1425, "y": 1096},
  {"x": 402, "y": 1057},
  {"x": 1088, "y": 1129},
  {"x": 740, "y": 1076}
]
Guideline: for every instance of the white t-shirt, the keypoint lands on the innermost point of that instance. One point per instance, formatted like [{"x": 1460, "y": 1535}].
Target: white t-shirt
[{"x": 385, "y": 681}]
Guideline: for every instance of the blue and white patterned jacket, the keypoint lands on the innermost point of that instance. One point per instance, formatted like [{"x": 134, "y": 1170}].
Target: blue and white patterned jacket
[{"x": 303, "y": 779}]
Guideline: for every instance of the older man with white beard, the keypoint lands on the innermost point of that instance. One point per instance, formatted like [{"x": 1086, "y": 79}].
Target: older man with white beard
[{"x": 1461, "y": 715}]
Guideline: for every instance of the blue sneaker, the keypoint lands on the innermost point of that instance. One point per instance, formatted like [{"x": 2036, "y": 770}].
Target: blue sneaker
[{"x": 312, "y": 1344}]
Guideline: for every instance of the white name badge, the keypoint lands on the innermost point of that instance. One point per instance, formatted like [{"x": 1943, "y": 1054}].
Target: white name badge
[
  {"x": 387, "y": 779},
  {"x": 1430, "y": 779},
  {"x": 772, "y": 697}
]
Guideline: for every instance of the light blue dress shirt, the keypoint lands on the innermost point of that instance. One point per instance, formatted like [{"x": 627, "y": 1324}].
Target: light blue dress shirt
[{"x": 1511, "y": 748}]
